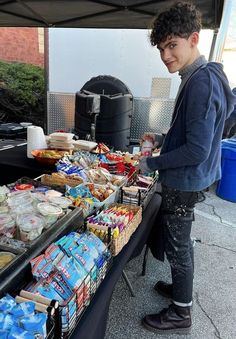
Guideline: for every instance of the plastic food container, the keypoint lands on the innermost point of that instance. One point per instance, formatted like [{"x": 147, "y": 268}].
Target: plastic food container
[
  {"x": 39, "y": 197},
  {"x": 62, "y": 202},
  {"x": 4, "y": 209},
  {"x": 17, "y": 198},
  {"x": 24, "y": 187},
  {"x": 84, "y": 145},
  {"x": 7, "y": 225},
  {"x": 50, "y": 212},
  {"x": 30, "y": 226},
  {"x": 46, "y": 208},
  {"x": 52, "y": 193}
]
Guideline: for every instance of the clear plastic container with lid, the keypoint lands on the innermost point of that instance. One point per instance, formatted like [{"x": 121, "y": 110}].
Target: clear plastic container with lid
[
  {"x": 30, "y": 226},
  {"x": 50, "y": 212},
  {"x": 62, "y": 202},
  {"x": 7, "y": 225},
  {"x": 46, "y": 208}
]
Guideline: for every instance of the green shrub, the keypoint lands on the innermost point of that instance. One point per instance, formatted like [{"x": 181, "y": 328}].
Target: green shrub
[{"x": 22, "y": 96}]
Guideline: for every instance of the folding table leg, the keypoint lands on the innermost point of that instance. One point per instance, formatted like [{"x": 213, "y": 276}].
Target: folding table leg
[
  {"x": 128, "y": 283},
  {"x": 145, "y": 258}
]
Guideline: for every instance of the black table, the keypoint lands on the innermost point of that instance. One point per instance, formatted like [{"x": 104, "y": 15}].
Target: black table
[
  {"x": 92, "y": 325},
  {"x": 14, "y": 164}
]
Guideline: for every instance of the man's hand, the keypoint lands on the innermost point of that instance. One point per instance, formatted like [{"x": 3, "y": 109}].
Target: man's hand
[
  {"x": 155, "y": 139},
  {"x": 149, "y": 137},
  {"x": 143, "y": 166}
]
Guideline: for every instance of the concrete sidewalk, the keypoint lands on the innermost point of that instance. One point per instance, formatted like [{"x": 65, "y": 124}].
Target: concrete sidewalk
[{"x": 214, "y": 308}]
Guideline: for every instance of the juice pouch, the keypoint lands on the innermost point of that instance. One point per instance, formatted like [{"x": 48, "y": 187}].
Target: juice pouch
[
  {"x": 85, "y": 260},
  {"x": 90, "y": 247},
  {"x": 58, "y": 258},
  {"x": 68, "y": 245},
  {"x": 61, "y": 286},
  {"x": 46, "y": 270},
  {"x": 52, "y": 252},
  {"x": 37, "y": 264},
  {"x": 100, "y": 246},
  {"x": 48, "y": 291},
  {"x": 72, "y": 273}
]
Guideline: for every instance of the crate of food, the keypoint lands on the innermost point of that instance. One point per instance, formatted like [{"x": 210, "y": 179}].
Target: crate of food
[
  {"x": 47, "y": 156},
  {"x": 140, "y": 191},
  {"x": 90, "y": 196},
  {"x": 115, "y": 224},
  {"x": 25, "y": 318},
  {"x": 70, "y": 272},
  {"x": 120, "y": 168},
  {"x": 60, "y": 179},
  {"x": 101, "y": 176}
]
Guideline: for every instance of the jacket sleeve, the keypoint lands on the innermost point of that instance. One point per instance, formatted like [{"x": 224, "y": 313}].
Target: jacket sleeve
[
  {"x": 201, "y": 108},
  {"x": 159, "y": 138}
]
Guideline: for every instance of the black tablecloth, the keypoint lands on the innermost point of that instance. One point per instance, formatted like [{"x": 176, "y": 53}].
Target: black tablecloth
[
  {"x": 14, "y": 164},
  {"x": 93, "y": 323}
]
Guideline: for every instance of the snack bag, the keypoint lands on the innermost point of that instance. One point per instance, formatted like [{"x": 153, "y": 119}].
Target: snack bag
[
  {"x": 6, "y": 321},
  {"x": 19, "y": 333},
  {"x": 35, "y": 324},
  {"x": 3, "y": 334},
  {"x": 7, "y": 303},
  {"x": 23, "y": 309}
]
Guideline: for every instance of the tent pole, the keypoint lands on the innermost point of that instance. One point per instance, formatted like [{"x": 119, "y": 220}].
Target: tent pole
[
  {"x": 219, "y": 37},
  {"x": 213, "y": 44}
]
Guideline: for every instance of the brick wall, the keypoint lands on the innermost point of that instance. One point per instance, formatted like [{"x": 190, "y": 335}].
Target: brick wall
[{"x": 22, "y": 45}]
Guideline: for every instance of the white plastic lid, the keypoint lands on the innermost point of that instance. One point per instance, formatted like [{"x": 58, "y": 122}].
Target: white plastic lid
[
  {"x": 63, "y": 202},
  {"x": 46, "y": 208},
  {"x": 28, "y": 222}
]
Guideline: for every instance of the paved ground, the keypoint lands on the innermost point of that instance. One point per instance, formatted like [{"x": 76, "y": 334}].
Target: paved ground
[{"x": 214, "y": 309}]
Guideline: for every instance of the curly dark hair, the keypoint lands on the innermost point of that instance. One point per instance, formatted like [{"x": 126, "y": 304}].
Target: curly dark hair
[{"x": 182, "y": 19}]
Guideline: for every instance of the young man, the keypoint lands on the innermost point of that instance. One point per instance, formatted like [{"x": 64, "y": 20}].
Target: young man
[{"x": 190, "y": 155}]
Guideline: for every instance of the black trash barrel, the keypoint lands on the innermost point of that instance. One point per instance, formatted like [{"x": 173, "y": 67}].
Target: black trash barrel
[{"x": 116, "y": 108}]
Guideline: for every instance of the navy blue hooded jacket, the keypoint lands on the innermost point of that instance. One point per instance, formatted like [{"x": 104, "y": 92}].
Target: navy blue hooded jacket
[{"x": 191, "y": 151}]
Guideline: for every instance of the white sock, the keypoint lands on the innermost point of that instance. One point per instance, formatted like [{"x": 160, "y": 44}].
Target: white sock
[{"x": 182, "y": 304}]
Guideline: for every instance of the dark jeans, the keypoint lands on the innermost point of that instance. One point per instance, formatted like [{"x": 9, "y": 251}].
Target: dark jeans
[{"x": 172, "y": 237}]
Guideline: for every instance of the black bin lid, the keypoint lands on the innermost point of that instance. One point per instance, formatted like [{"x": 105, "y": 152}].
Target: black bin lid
[{"x": 11, "y": 128}]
